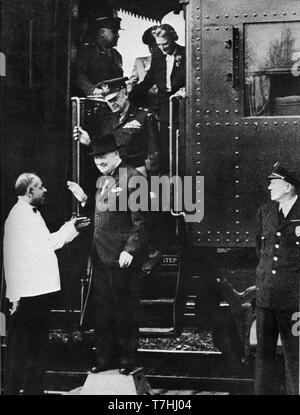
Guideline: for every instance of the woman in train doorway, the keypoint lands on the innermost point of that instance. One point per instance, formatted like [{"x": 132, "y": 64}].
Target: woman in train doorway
[
  {"x": 167, "y": 71},
  {"x": 141, "y": 66}
]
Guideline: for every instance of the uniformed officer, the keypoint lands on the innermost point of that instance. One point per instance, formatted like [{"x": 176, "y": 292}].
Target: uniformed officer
[
  {"x": 99, "y": 60},
  {"x": 135, "y": 128},
  {"x": 277, "y": 275}
]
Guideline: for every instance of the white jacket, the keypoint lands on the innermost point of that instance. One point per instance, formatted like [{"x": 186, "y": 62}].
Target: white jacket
[{"x": 30, "y": 263}]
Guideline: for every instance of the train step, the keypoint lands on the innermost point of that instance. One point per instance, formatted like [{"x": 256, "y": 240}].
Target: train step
[{"x": 72, "y": 382}]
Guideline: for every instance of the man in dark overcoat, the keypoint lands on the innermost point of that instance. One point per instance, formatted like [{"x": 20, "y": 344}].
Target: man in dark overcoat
[
  {"x": 120, "y": 237},
  {"x": 277, "y": 275}
]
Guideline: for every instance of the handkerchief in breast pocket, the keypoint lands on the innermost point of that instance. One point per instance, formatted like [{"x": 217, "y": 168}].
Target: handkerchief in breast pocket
[{"x": 133, "y": 124}]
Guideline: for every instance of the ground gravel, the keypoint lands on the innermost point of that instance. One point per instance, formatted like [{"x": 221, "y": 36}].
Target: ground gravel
[{"x": 189, "y": 340}]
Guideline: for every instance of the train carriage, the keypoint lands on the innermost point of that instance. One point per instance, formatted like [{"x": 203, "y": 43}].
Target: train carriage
[{"x": 240, "y": 114}]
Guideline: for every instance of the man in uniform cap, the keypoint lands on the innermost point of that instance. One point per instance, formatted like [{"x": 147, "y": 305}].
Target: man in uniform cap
[
  {"x": 120, "y": 237},
  {"x": 135, "y": 128},
  {"x": 99, "y": 60},
  {"x": 277, "y": 275}
]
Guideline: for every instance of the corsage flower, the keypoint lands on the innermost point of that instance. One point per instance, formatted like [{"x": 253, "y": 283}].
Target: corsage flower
[
  {"x": 297, "y": 231},
  {"x": 178, "y": 59}
]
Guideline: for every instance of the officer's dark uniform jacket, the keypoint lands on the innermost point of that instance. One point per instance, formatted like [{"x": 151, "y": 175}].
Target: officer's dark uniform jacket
[
  {"x": 278, "y": 247},
  {"x": 139, "y": 136},
  {"x": 94, "y": 65},
  {"x": 118, "y": 230}
]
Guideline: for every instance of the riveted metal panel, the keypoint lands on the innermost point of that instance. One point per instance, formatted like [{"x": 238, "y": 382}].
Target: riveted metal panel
[{"x": 233, "y": 152}]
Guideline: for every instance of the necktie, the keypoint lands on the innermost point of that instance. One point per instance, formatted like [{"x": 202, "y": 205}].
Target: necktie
[{"x": 281, "y": 216}]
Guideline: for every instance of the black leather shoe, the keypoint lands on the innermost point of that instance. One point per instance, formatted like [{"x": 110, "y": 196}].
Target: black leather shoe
[
  {"x": 126, "y": 369},
  {"x": 100, "y": 368}
]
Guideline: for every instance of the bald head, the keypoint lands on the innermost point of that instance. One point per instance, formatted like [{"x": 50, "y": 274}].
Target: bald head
[
  {"x": 29, "y": 188},
  {"x": 23, "y": 182}
]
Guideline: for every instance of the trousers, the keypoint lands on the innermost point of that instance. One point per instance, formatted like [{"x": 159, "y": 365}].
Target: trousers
[
  {"x": 116, "y": 313},
  {"x": 27, "y": 346},
  {"x": 269, "y": 325}
]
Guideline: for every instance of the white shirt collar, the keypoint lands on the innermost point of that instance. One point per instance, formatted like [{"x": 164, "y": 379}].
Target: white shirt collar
[
  {"x": 170, "y": 63},
  {"x": 117, "y": 165},
  {"x": 287, "y": 205},
  {"x": 124, "y": 113},
  {"x": 25, "y": 204},
  {"x": 119, "y": 162}
]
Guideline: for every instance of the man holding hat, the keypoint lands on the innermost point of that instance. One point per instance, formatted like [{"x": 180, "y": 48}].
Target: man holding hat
[
  {"x": 99, "y": 61},
  {"x": 135, "y": 128},
  {"x": 277, "y": 275},
  {"x": 120, "y": 238}
]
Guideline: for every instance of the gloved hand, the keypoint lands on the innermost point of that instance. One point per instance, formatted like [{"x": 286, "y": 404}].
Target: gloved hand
[
  {"x": 82, "y": 135},
  {"x": 14, "y": 307},
  {"x": 125, "y": 259},
  {"x": 181, "y": 93}
]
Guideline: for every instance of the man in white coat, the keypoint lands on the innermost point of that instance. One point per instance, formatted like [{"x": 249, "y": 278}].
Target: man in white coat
[{"x": 31, "y": 275}]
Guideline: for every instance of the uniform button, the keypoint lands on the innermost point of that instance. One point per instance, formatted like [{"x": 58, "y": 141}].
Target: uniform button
[
  {"x": 297, "y": 243},
  {"x": 278, "y": 233},
  {"x": 273, "y": 271},
  {"x": 276, "y": 246},
  {"x": 275, "y": 258}
]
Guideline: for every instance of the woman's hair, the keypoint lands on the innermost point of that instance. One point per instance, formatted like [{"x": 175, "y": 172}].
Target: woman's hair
[
  {"x": 148, "y": 38},
  {"x": 167, "y": 31}
]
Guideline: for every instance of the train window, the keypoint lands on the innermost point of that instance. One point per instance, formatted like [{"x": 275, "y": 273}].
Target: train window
[{"x": 272, "y": 69}]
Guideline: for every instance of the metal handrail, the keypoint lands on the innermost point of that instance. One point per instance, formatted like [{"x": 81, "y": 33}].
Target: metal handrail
[
  {"x": 171, "y": 129},
  {"x": 76, "y": 152}
]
